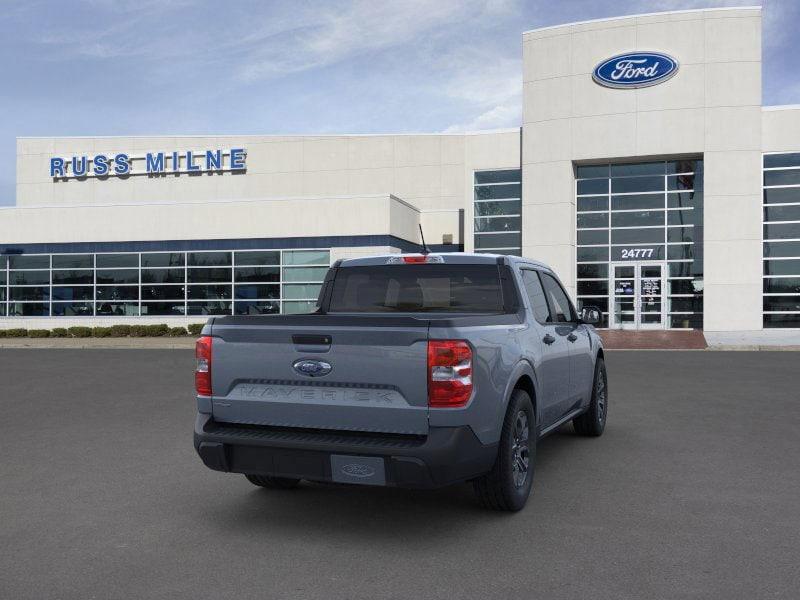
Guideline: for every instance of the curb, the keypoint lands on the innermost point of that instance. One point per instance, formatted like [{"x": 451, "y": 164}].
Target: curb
[{"x": 99, "y": 343}]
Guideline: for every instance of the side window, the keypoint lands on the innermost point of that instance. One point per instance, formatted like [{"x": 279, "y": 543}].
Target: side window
[
  {"x": 533, "y": 287},
  {"x": 560, "y": 306}
]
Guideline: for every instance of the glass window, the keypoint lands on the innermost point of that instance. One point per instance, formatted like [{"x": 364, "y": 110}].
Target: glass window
[
  {"x": 592, "y": 186},
  {"x": 782, "y": 303},
  {"x": 501, "y": 176},
  {"x": 637, "y": 202},
  {"x": 678, "y": 252},
  {"x": 209, "y": 292},
  {"x": 782, "y": 267},
  {"x": 496, "y": 192},
  {"x": 637, "y": 236},
  {"x": 117, "y": 276},
  {"x": 256, "y": 308},
  {"x": 163, "y": 308},
  {"x": 592, "y": 236},
  {"x": 504, "y": 207},
  {"x": 684, "y": 166},
  {"x": 680, "y": 234},
  {"x": 163, "y": 276},
  {"x": 74, "y": 277},
  {"x": 304, "y": 273},
  {"x": 306, "y": 257},
  {"x": 782, "y": 285},
  {"x": 73, "y": 309},
  {"x": 256, "y": 292},
  {"x": 784, "y": 320},
  {"x": 782, "y": 231},
  {"x": 592, "y": 288},
  {"x": 683, "y": 217},
  {"x": 637, "y": 219},
  {"x": 29, "y": 278},
  {"x": 209, "y": 259},
  {"x": 538, "y": 301},
  {"x": 73, "y": 261},
  {"x": 498, "y": 224},
  {"x": 257, "y": 274},
  {"x": 624, "y": 185},
  {"x": 3, "y": 309},
  {"x": 681, "y": 269},
  {"x": 29, "y": 293},
  {"x": 560, "y": 306},
  {"x": 782, "y": 213},
  {"x": 592, "y": 254},
  {"x": 593, "y": 203},
  {"x": 117, "y": 292},
  {"x": 590, "y": 171},
  {"x": 209, "y": 307},
  {"x": 592, "y": 271},
  {"x": 782, "y": 249},
  {"x": 497, "y": 240},
  {"x": 685, "y": 286},
  {"x": 215, "y": 275},
  {"x": 791, "y": 159},
  {"x": 256, "y": 258},
  {"x": 291, "y": 308},
  {"x": 29, "y": 261},
  {"x": 782, "y": 195},
  {"x": 683, "y": 182},
  {"x": 599, "y": 303},
  {"x": 3, "y": 276},
  {"x": 592, "y": 220},
  {"x": 85, "y": 292},
  {"x": 694, "y": 304},
  {"x": 117, "y": 309},
  {"x": 28, "y": 309},
  {"x": 162, "y": 292},
  {"x": 650, "y": 168},
  {"x": 787, "y": 177},
  {"x": 301, "y": 291},
  {"x": 115, "y": 261},
  {"x": 163, "y": 259}
]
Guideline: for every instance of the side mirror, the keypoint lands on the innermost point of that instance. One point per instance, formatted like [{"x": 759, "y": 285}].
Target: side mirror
[{"x": 590, "y": 315}]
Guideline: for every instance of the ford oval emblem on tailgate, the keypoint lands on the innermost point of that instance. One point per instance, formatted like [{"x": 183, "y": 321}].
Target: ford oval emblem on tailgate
[{"x": 311, "y": 367}]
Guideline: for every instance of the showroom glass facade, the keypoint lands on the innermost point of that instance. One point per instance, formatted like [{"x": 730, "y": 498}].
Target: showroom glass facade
[
  {"x": 498, "y": 211},
  {"x": 144, "y": 284},
  {"x": 781, "y": 301},
  {"x": 643, "y": 218}
]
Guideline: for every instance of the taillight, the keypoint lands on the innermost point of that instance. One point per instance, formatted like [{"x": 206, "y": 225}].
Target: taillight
[
  {"x": 449, "y": 373},
  {"x": 202, "y": 371}
]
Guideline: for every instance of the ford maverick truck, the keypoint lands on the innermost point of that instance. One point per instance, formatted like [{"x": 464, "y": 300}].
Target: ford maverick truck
[{"x": 416, "y": 370}]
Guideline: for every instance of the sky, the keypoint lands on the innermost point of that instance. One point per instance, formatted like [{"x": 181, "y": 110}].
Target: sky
[{"x": 160, "y": 67}]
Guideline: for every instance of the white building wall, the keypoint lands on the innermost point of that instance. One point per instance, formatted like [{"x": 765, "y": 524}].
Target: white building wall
[{"x": 711, "y": 107}]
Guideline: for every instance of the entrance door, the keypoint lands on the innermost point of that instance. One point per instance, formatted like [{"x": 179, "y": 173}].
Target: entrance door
[{"x": 637, "y": 300}]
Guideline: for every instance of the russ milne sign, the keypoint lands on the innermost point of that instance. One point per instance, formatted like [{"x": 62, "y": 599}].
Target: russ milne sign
[
  {"x": 635, "y": 70},
  {"x": 151, "y": 163}
]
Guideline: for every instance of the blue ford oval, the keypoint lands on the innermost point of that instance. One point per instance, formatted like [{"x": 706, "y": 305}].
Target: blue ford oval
[{"x": 635, "y": 70}]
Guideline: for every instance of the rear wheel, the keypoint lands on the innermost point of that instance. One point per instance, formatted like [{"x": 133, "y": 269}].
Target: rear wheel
[
  {"x": 593, "y": 421},
  {"x": 266, "y": 481},
  {"x": 508, "y": 485}
]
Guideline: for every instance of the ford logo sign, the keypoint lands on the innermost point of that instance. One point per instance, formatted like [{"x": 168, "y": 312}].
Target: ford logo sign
[
  {"x": 357, "y": 470},
  {"x": 312, "y": 367},
  {"x": 635, "y": 70}
]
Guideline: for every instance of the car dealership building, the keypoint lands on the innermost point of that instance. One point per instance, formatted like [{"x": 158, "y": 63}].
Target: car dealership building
[{"x": 645, "y": 171}]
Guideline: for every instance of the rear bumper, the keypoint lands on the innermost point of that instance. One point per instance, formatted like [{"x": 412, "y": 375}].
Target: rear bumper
[{"x": 446, "y": 455}]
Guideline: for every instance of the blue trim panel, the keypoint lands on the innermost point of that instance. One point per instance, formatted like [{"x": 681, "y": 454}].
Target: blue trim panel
[{"x": 225, "y": 244}]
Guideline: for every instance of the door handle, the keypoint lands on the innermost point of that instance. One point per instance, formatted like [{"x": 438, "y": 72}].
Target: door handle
[
  {"x": 572, "y": 337},
  {"x": 548, "y": 339}
]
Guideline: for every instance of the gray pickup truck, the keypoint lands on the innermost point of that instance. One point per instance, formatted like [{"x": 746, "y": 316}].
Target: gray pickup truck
[{"x": 416, "y": 370}]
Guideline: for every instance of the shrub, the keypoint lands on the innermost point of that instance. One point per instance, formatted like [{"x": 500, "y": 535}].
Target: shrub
[
  {"x": 156, "y": 330},
  {"x": 177, "y": 331},
  {"x": 138, "y": 330},
  {"x": 101, "y": 332},
  {"x": 38, "y": 333},
  {"x": 59, "y": 332},
  {"x": 195, "y": 328},
  {"x": 80, "y": 332},
  {"x": 17, "y": 332},
  {"x": 120, "y": 330},
  {"x": 2, "y": 333}
]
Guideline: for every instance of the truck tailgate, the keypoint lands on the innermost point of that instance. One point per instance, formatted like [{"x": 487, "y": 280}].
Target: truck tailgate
[{"x": 377, "y": 380}]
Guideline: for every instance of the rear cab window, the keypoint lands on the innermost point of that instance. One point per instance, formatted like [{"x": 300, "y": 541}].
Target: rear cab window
[{"x": 447, "y": 288}]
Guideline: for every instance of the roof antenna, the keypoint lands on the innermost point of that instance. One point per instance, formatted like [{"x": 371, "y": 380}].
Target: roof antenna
[{"x": 425, "y": 249}]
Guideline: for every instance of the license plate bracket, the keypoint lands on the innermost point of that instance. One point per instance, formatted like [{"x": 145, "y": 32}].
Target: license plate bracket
[{"x": 363, "y": 470}]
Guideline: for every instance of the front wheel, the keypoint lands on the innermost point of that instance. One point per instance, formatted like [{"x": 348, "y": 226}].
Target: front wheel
[
  {"x": 508, "y": 485},
  {"x": 593, "y": 421}
]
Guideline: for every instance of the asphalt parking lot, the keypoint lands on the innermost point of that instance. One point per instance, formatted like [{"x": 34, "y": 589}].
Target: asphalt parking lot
[{"x": 693, "y": 492}]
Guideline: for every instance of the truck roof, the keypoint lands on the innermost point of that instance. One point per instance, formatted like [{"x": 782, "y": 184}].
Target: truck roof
[{"x": 461, "y": 258}]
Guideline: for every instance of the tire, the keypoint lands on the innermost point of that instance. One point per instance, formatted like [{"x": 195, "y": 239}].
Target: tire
[
  {"x": 507, "y": 487},
  {"x": 276, "y": 483},
  {"x": 593, "y": 421}
]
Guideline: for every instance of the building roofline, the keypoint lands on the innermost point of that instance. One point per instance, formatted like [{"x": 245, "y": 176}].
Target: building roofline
[
  {"x": 782, "y": 107},
  {"x": 263, "y": 135},
  {"x": 634, "y": 15}
]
